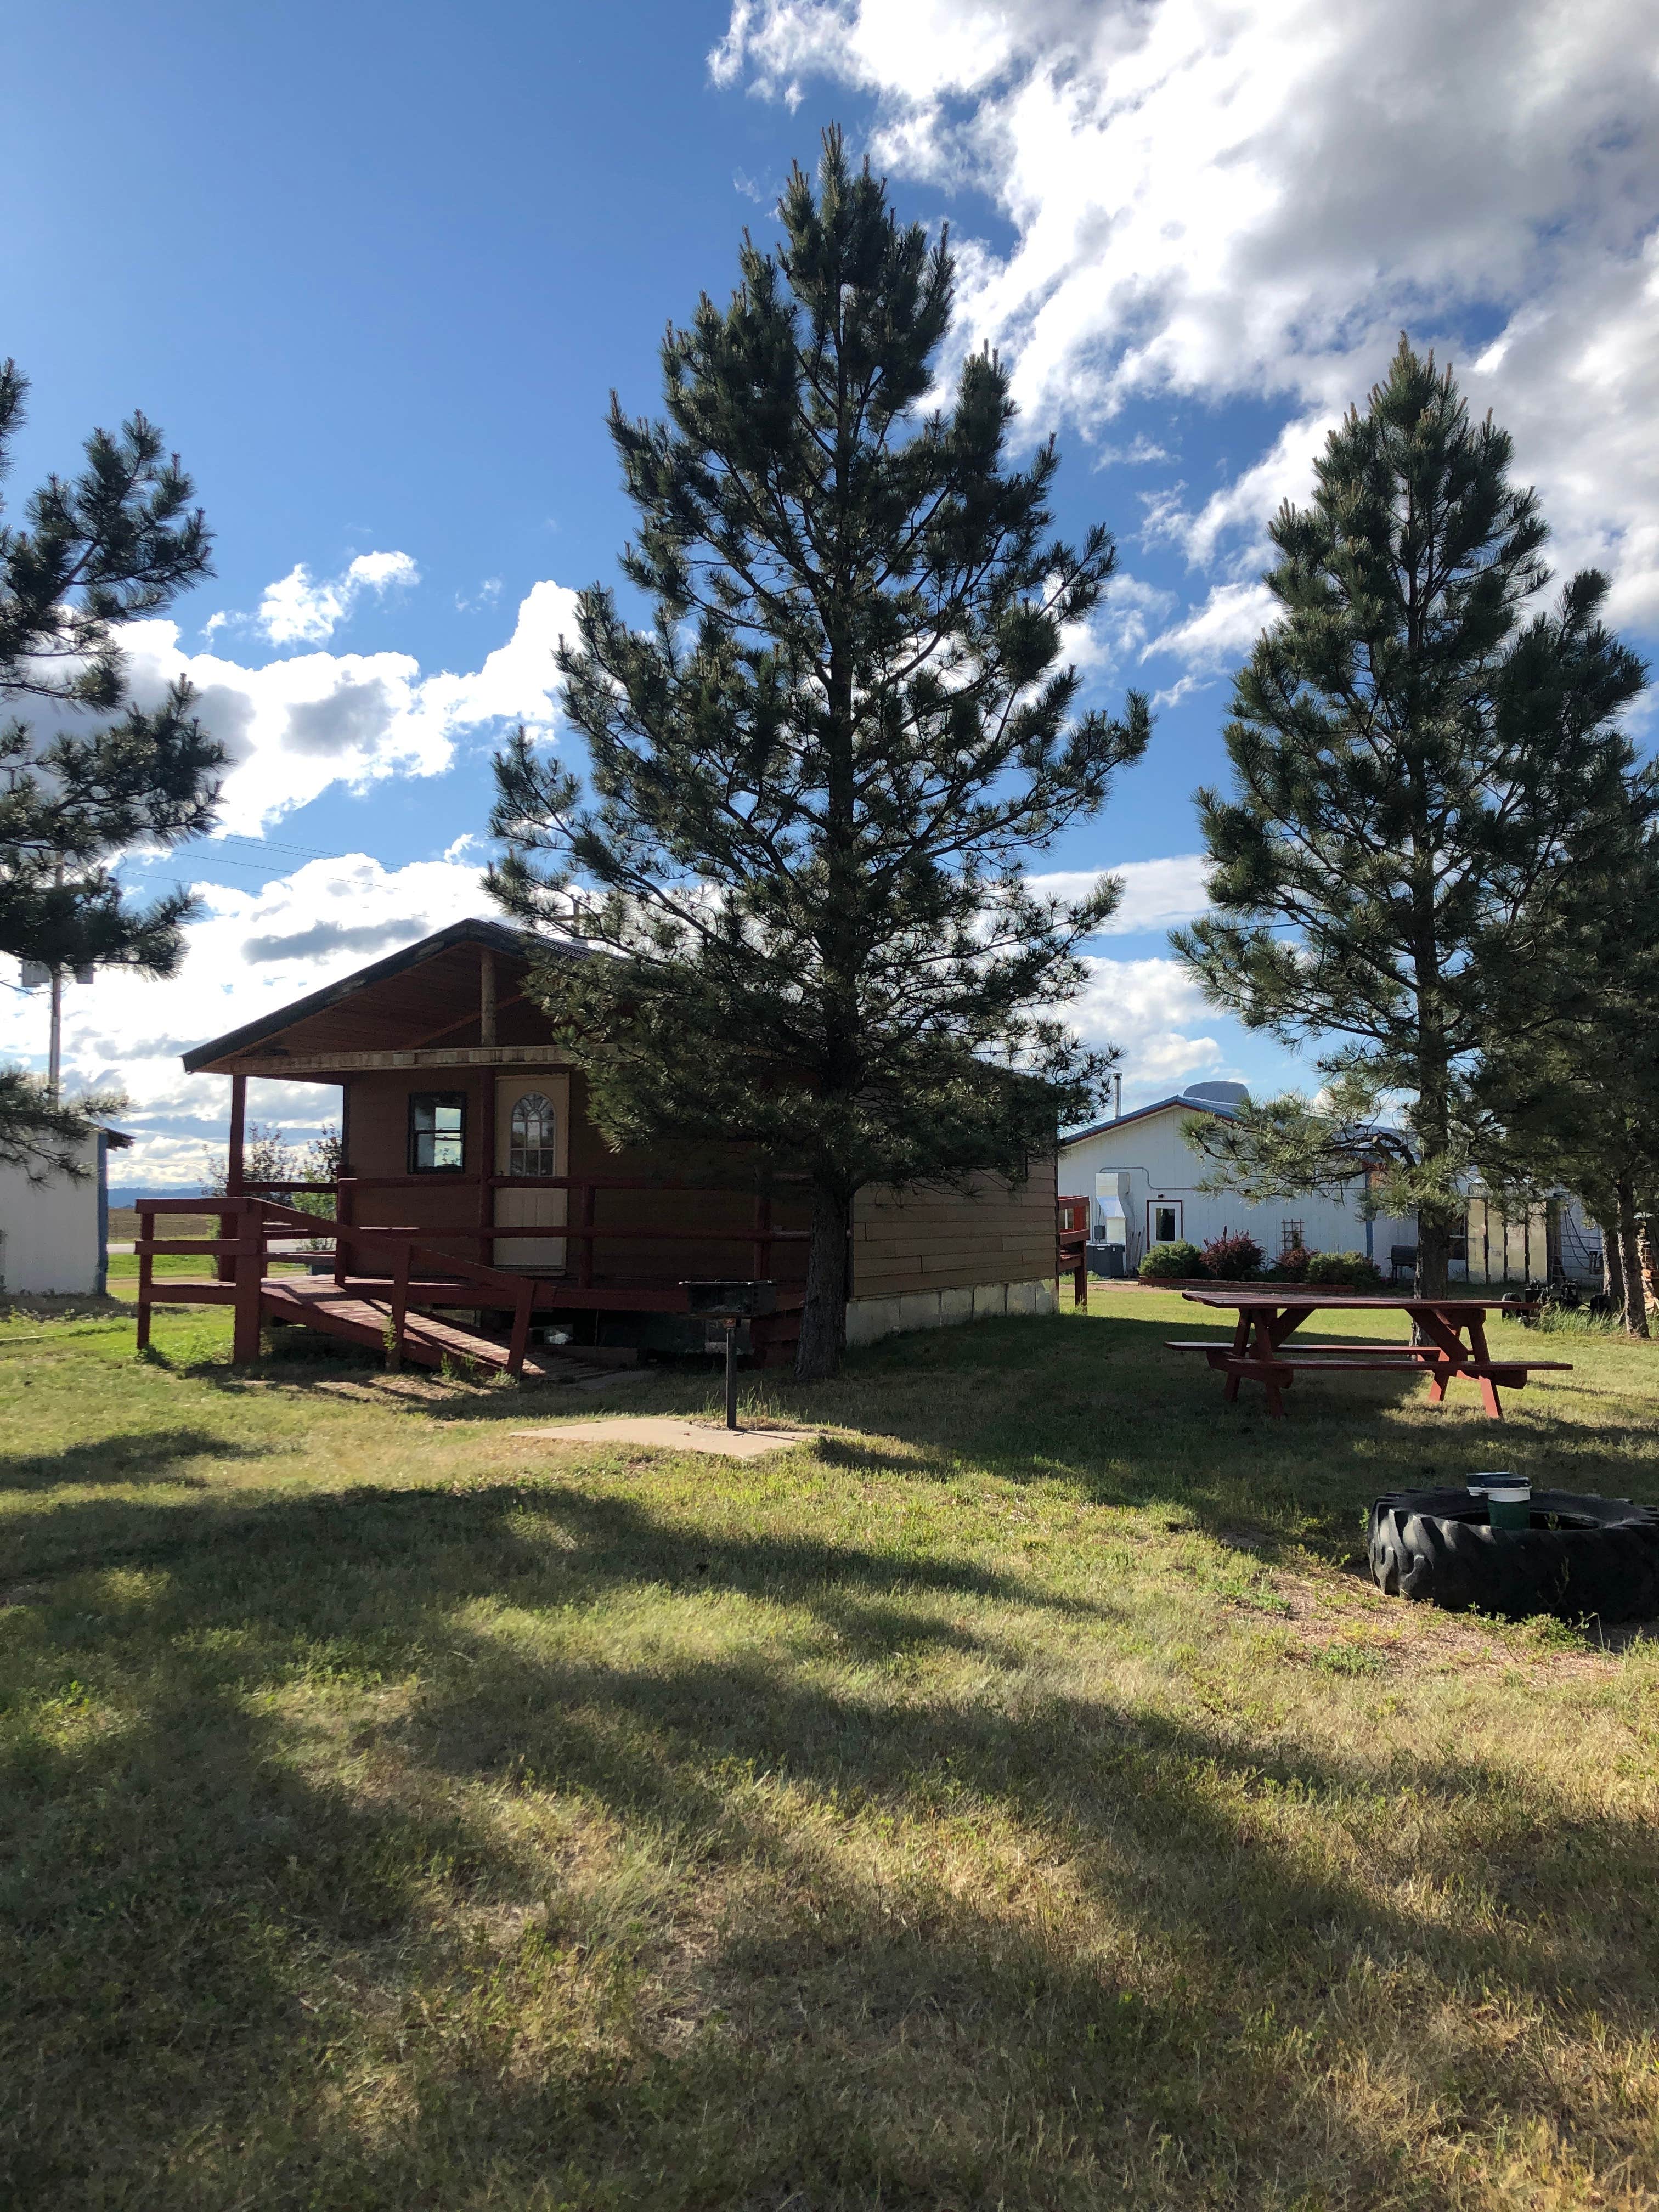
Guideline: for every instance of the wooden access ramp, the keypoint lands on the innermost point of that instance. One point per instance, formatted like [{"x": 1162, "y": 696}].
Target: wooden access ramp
[
  {"x": 361, "y": 1313},
  {"x": 387, "y": 1287}
]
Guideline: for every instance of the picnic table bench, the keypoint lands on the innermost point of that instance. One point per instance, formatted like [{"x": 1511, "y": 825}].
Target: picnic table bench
[{"x": 1448, "y": 1339}]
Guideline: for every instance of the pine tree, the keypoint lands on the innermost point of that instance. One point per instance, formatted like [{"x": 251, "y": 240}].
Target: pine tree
[
  {"x": 816, "y": 776},
  {"x": 1419, "y": 767},
  {"x": 116, "y": 542},
  {"x": 1570, "y": 1072}
]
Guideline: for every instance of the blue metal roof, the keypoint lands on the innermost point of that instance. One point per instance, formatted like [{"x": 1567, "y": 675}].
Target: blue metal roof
[{"x": 1140, "y": 1113}]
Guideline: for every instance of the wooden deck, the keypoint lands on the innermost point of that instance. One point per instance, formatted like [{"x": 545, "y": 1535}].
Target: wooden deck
[
  {"x": 397, "y": 1307},
  {"x": 389, "y": 1284}
]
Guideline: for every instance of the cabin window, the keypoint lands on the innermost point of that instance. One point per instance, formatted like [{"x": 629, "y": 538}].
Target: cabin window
[
  {"x": 437, "y": 1131},
  {"x": 1164, "y": 1228},
  {"x": 534, "y": 1140}
]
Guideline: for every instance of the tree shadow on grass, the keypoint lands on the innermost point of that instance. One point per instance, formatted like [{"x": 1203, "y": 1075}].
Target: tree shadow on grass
[
  {"x": 698, "y": 1909},
  {"x": 1101, "y": 1403},
  {"x": 620, "y": 1541},
  {"x": 146, "y": 1455}
]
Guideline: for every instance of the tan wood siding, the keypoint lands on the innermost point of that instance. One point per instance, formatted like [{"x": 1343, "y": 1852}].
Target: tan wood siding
[{"x": 949, "y": 1240}]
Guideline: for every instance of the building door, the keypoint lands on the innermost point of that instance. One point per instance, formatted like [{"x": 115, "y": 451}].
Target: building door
[
  {"x": 533, "y": 1138},
  {"x": 1163, "y": 1221}
]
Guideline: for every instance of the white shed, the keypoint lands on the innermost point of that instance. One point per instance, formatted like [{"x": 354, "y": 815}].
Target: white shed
[
  {"x": 54, "y": 1235},
  {"x": 1142, "y": 1179}
]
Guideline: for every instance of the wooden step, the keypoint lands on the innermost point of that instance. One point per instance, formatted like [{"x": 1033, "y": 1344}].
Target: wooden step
[{"x": 427, "y": 1342}]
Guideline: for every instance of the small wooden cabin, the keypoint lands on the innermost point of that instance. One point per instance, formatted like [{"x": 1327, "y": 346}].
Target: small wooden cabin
[{"x": 475, "y": 1185}]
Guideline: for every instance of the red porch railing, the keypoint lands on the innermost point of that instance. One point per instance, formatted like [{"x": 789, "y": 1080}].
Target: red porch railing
[
  {"x": 412, "y": 1267},
  {"x": 585, "y": 1231},
  {"x": 1072, "y": 1246},
  {"x": 260, "y": 1221}
]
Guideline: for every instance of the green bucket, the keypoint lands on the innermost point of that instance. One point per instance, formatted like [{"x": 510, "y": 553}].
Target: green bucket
[{"x": 1508, "y": 1499}]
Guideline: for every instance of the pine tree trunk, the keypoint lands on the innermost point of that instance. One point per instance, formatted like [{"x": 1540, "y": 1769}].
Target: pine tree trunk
[
  {"x": 823, "y": 1316},
  {"x": 1434, "y": 1243},
  {"x": 1612, "y": 1267},
  {"x": 1435, "y": 1227},
  {"x": 1636, "y": 1317}
]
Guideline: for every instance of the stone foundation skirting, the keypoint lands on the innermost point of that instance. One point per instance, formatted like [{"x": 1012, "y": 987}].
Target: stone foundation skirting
[{"x": 867, "y": 1318}]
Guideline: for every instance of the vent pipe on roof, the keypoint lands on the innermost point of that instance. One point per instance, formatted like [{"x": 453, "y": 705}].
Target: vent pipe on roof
[
  {"x": 1117, "y": 1098},
  {"x": 486, "y": 997}
]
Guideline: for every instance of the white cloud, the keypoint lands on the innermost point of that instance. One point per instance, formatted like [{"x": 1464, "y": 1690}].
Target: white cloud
[
  {"x": 1220, "y": 632},
  {"x": 1140, "y": 452},
  {"x": 1148, "y": 1009},
  {"x": 251, "y": 952},
  {"x": 518, "y": 681},
  {"x": 299, "y": 609},
  {"x": 298, "y": 725},
  {"x": 1224, "y": 198},
  {"x": 1157, "y": 894},
  {"x": 1120, "y": 626}
]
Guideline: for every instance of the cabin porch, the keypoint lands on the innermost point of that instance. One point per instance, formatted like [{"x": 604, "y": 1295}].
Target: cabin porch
[{"x": 388, "y": 1282}]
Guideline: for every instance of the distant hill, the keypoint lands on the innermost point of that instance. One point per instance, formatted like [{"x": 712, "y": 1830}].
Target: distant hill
[{"x": 129, "y": 1193}]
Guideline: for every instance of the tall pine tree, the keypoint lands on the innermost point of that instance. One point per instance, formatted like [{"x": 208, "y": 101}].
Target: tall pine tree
[
  {"x": 816, "y": 776},
  {"x": 116, "y": 542},
  {"x": 1570, "y": 1072},
  {"x": 1419, "y": 767}
]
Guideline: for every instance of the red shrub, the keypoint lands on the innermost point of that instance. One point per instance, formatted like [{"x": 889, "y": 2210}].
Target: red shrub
[
  {"x": 1291, "y": 1265},
  {"x": 1231, "y": 1259}
]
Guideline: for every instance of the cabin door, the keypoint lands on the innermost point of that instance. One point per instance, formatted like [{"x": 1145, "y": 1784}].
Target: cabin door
[{"x": 533, "y": 1138}]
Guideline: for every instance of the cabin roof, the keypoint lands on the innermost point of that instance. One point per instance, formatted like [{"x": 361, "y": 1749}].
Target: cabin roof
[
  {"x": 392, "y": 1003},
  {"x": 1188, "y": 1105}
]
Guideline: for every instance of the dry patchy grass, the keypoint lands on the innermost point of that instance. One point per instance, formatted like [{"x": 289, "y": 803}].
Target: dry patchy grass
[{"x": 1014, "y": 1799}]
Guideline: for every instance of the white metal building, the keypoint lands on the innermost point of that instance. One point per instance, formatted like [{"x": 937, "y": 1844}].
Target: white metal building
[
  {"x": 1142, "y": 1181},
  {"x": 54, "y": 1236}
]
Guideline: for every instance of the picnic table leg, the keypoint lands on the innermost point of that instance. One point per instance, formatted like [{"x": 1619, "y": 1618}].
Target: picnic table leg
[
  {"x": 1488, "y": 1388},
  {"x": 1241, "y": 1345},
  {"x": 1265, "y": 1348},
  {"x": 1443, "y": 1337}
]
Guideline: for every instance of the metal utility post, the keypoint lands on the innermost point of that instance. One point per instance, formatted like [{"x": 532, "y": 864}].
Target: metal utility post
[
  {"x": 731, "y": 1303},
  {"x": 37, "y": 975},
  {"x": 55, "y": 1053}
]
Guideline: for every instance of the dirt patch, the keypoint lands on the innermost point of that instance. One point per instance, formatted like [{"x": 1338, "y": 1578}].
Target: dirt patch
[
  {"x": 666, "y": 1432},
  {"x": 1423, "y": 1638}
]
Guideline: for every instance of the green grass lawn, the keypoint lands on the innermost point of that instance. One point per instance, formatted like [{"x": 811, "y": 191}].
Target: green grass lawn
[
  {"x": 1014, "y": 1798},
  {"x": 124, "y": 1268}
]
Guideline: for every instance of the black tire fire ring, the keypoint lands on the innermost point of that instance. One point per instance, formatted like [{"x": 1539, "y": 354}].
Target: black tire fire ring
[{"x": 1581, "y": 1557}]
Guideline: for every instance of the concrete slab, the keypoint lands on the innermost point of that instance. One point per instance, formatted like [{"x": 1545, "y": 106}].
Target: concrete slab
[{"x": 666, "y": 1432}]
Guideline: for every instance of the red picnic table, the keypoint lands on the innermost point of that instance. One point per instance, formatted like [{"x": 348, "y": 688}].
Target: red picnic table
[{"x": 1449, "y": 1340}]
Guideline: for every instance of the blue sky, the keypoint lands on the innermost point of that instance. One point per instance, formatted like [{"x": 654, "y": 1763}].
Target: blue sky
[{"x": 376, "y": 268}]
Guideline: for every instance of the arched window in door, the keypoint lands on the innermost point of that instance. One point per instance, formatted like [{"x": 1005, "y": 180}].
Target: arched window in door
[{"x": 534, "y": 1139}]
